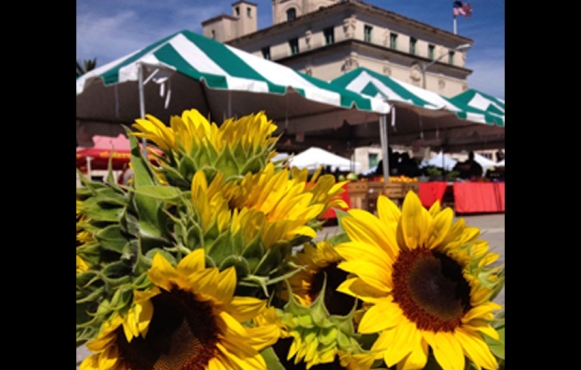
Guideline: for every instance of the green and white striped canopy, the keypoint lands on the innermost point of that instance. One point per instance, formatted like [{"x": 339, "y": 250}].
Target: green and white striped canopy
[
  {"x": 479, "y": 100},
  {"x": 425, "y": 115},
  {"x": 187, "y": 70},
  {"x": 402, "y": 94}
]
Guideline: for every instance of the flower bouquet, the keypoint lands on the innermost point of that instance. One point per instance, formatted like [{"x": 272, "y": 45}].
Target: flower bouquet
[{"x": 211, "y": 259}]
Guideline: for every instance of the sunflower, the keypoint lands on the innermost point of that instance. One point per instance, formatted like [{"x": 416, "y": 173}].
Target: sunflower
[
  {"x": 316, "y": 263},
  {"x": 427, "y": 281},
  {"x": 191, "y": 143},
  {"x": 189, "y": 319},
  {"x": 286, "y": 203}
]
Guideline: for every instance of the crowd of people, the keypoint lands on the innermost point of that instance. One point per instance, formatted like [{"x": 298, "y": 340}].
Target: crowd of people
[{"x": 399, "y": 164}]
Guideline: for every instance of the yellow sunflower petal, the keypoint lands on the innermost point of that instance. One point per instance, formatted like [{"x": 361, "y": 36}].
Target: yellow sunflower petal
[
  {"x": 108, "y": 358},
  {"x": 262, "y": 337},
  {"x": 417, "y": 359},
  {"x": 442, "y": 223},
  {"x": 162, "y": 272},
  {"x": 365, "y": 228},
  {"x": 226, "y": 285},
  {"x": 415, "y": 221},
  {"x": 204, "y": 282},
  {"x": 401, "y": 340},
  {"x": 483, "y": 327},
  {"x": 482, "y": 311},
  {"x": 90, "y": 363},
  {"x": 195, "y": 261},
  {"x": 476, "y": 349},
  {"x": 388, "y": 213},
  {"x": 357, "y": 288},
  {"x": 356, "y": 250},
  {"x": 383, "y": 315},
  {"x": 369, "y": 273},
  {"x": 435, "y": 208},
  {"x": 447, "y": 350},
  {"x": 216, "y": 364},
  {"x": 245, "y": 308},
  {"x": 234, "y": 362}
]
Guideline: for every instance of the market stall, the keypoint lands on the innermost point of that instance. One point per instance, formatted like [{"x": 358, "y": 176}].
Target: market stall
[
  {"x": 105, "y": 148},
  {"x": 187, "y": 70}
]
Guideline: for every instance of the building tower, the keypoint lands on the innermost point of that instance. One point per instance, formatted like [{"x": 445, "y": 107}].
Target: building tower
[{"x": 287, "y": 10}]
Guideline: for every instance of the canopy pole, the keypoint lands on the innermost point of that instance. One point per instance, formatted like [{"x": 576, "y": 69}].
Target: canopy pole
[
  {"x": 229, "y": 104},
  {"x": 384, "y": 144},
  {"x": 141, "y": 104},
  {"x": 89, "y": 159}
]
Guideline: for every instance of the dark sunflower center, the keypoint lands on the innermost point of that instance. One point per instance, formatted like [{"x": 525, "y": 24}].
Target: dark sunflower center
[
  {"x": 182, "y": 335},
  {"x": 430, "y": 289},
  {"x": 337, "y": 303}
]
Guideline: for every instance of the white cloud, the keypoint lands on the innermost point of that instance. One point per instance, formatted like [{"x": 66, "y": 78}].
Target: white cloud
[{"x": 108, "y": 38}]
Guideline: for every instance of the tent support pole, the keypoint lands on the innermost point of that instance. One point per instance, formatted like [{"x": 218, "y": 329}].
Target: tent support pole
[
  {"x": 142, "y": 104},
  {"x": 89, "y": 159},
  {"x": 384, "y": 145},
  {"x": 229, "y": 104}
]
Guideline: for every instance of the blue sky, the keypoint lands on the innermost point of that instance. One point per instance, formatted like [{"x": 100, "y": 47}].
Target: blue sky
[{"x": 110, "y": 29}]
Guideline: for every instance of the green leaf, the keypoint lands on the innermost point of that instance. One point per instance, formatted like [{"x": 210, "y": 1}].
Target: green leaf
[
  {"x": 221, "y": 248},
  {"x": 271, "y": 359},
  {"x": 338, "y": 239},
  {"x": 142, "y": 173},
  {"x": 111, "y": 238},
  {"x": 147, "y": 209},
  {"x": 163, "y": 193},
  {"x": 111, "y": 196},
  {"x": 99, "y": 213},
  {"x": 253, "y": 165},
  {"x": 253, "y": 252},
  {"x": 226, "y": 163},
  {"x": 187, "y": 169},
  {"x": 168, "y": 256},
  {"x": 241, "y": 266},
  {"x": 327, "y": 335},
  {"x": 271, "y": 260},
  {"x": 496, "y": 346},
  {"x": 174, "y": 177},
  {"x": 340, "y": 214}
]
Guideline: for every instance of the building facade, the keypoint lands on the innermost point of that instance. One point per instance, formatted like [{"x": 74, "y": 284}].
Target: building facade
[{"x": 327, "y": 38}]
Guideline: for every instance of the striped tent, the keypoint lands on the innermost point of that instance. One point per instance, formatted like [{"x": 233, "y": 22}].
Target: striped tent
[
  {"x": 425, "y": 115},
  {"x": 187, "y": 70},
  {"x": 478, "y": 100},
  {"x": 424, "y": 102}
]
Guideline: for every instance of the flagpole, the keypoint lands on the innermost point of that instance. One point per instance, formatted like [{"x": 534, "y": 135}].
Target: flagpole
[{"x": 454, "y": 25}]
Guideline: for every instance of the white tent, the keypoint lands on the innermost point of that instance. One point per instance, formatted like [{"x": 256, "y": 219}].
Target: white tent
[
  {"x": 313, "y": 158},
  {"x": 439, "y": 159},
  {"x": 484, "y": 162}
]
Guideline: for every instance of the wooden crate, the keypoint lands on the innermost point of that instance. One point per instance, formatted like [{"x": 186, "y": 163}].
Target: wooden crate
[
  {"x": 357, "y": 194},
  {"x": 363, "y": 195},
  {"x": 394, "y": 190}
]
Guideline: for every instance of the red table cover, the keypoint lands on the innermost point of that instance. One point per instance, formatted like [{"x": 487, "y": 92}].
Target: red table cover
[
  {"x": 429, "y": 192},
  {"x": 479, "y": 197}
]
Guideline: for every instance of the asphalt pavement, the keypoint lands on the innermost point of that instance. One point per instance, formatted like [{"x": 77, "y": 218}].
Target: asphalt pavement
[{"x": 491, "y": 229}]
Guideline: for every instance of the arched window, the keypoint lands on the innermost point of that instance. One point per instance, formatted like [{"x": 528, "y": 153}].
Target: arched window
[{"x": 291, "y": 14}]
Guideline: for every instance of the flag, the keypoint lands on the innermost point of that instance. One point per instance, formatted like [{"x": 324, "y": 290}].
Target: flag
[{"x": 461, "y": 8}]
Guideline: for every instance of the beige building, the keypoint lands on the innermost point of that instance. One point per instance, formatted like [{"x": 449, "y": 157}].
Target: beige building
[{"x": 327, "y": 38}]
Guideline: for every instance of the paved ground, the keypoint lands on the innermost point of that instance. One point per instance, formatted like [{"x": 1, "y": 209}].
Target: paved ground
[{"x": 492, "y": 230}]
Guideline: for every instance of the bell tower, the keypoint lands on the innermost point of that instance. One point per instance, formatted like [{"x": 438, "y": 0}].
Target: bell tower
[{"x": 287, "y": 10}]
